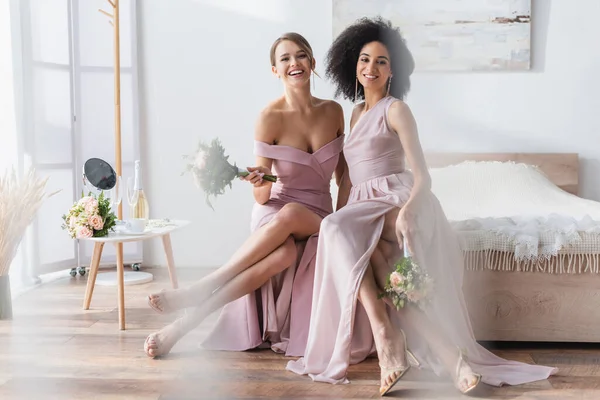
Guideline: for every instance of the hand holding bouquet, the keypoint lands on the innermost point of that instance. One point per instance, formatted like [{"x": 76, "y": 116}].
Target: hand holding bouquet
[
  {"x": 408, "y": 283},
  {"x": 257, "y": 176},
  {"x": 212, "y": 171}
]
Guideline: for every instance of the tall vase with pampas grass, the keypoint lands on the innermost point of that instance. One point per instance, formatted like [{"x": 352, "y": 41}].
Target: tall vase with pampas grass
[{"x": 20, "y": 199}]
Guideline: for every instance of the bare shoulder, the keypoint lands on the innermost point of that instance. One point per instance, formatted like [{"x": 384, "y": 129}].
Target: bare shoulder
[
  {"x": 400, "y": 116},
  {"x": 329, "y": 106},
  {"x": 335, "y": 112},
  {"x": 356, "y": 111},
  {"x": 334, "y": 106},
  {"x": 269, "y": 122},
  {"x": 398, "y": 107}
]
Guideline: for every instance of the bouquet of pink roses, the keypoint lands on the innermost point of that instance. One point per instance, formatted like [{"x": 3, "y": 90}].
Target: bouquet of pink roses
[
  {"x": 408, "y": 283},
  {"x": 89, "y": 217}
]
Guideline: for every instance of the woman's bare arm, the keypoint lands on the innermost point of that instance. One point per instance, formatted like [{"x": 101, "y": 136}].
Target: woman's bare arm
[
  {"x": 342, "y": 179},
  {"x": 264, "y": 132},
  {"x": 402, "y": 121}
]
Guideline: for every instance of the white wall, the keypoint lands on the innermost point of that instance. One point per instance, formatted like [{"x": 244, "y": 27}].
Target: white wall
[
  {"x": 205, "y": 73},
  {"x": 8, "y": 123},
  {"x": 554, "y": 107}
]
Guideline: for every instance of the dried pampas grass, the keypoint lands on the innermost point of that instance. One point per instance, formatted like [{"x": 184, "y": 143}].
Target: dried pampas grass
[{"x": 20, "y": 199}]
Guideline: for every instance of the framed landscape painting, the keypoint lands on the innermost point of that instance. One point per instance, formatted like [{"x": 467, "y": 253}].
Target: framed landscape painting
[{"x": 452, "y": 35}]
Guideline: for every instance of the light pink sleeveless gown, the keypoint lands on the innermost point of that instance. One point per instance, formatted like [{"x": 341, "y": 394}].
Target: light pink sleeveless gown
[
  {"x": 340, "y": 333},
  {"x": 278, "y": 314}
]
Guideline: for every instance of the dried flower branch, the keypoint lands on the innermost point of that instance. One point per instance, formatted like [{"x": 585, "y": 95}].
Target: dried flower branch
[{"x": 20, "y": 199}]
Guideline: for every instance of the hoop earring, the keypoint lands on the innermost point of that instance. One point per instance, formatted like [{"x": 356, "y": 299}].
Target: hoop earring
[
  {"x": 356, "y": 90},
  {"x": 389, "y": 85},
  {"x": 312, "y": 78}
]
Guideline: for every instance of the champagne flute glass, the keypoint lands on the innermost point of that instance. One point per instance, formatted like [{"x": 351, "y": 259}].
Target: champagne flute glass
[
  {"x": 115, "y": 195},
  {"x": 132, "y": 195}
]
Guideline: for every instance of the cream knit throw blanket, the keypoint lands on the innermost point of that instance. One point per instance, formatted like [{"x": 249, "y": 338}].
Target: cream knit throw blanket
[{"x": 510, "y": 207}]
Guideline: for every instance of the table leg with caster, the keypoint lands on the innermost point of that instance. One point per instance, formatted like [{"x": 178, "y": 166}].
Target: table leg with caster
[{"x": 75, "y": 271}]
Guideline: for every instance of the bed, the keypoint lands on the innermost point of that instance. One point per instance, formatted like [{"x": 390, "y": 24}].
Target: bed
[{"x": 544, "y": 287}]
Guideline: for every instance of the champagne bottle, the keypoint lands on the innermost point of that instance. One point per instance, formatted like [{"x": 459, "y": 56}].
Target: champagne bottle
[{"x": 138, "y": 203}]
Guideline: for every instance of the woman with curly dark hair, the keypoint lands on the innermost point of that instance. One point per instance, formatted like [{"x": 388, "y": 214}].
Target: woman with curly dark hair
[{"x": 389, "y": 205}]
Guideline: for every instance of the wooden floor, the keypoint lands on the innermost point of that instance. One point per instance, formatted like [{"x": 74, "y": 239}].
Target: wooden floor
[{"x": 52, "y": 349}]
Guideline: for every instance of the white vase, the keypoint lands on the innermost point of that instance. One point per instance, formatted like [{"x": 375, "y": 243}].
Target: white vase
[{"x": 5, "y": 298}]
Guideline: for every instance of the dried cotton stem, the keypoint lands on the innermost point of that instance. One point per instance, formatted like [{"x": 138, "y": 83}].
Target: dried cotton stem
[{"x": 19, "y": 202}]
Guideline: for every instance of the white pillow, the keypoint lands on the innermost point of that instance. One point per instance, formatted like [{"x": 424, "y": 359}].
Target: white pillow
[{"x": 494, "y": 189}]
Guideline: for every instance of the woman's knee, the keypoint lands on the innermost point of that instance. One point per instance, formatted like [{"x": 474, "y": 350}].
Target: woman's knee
[
  {"x": 333, "y": 223},
  {"x": 290, "y": 214},
  {"x": 389, "y": 232}
]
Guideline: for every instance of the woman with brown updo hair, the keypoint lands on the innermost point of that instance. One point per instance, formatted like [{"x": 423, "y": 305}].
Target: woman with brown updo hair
[{"x": 266, "y": 286}]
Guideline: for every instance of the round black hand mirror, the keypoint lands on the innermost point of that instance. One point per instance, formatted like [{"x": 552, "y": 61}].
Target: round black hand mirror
[{"x": 99, "y": 174}]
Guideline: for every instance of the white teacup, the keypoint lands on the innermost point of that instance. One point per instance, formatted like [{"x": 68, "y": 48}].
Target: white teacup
[{"x": 136, "y": 225}]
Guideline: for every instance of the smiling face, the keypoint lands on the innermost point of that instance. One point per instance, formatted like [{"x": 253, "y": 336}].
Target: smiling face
[
  {"x": 292, "y": 64},
  {"x": 373, "y": 67}
]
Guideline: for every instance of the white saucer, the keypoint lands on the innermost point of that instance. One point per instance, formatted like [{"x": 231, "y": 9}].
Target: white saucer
[{"x": 130, "y": 233}]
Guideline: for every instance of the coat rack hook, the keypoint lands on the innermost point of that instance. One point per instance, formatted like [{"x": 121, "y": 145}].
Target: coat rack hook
[{"x": 105, "y": 13}]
